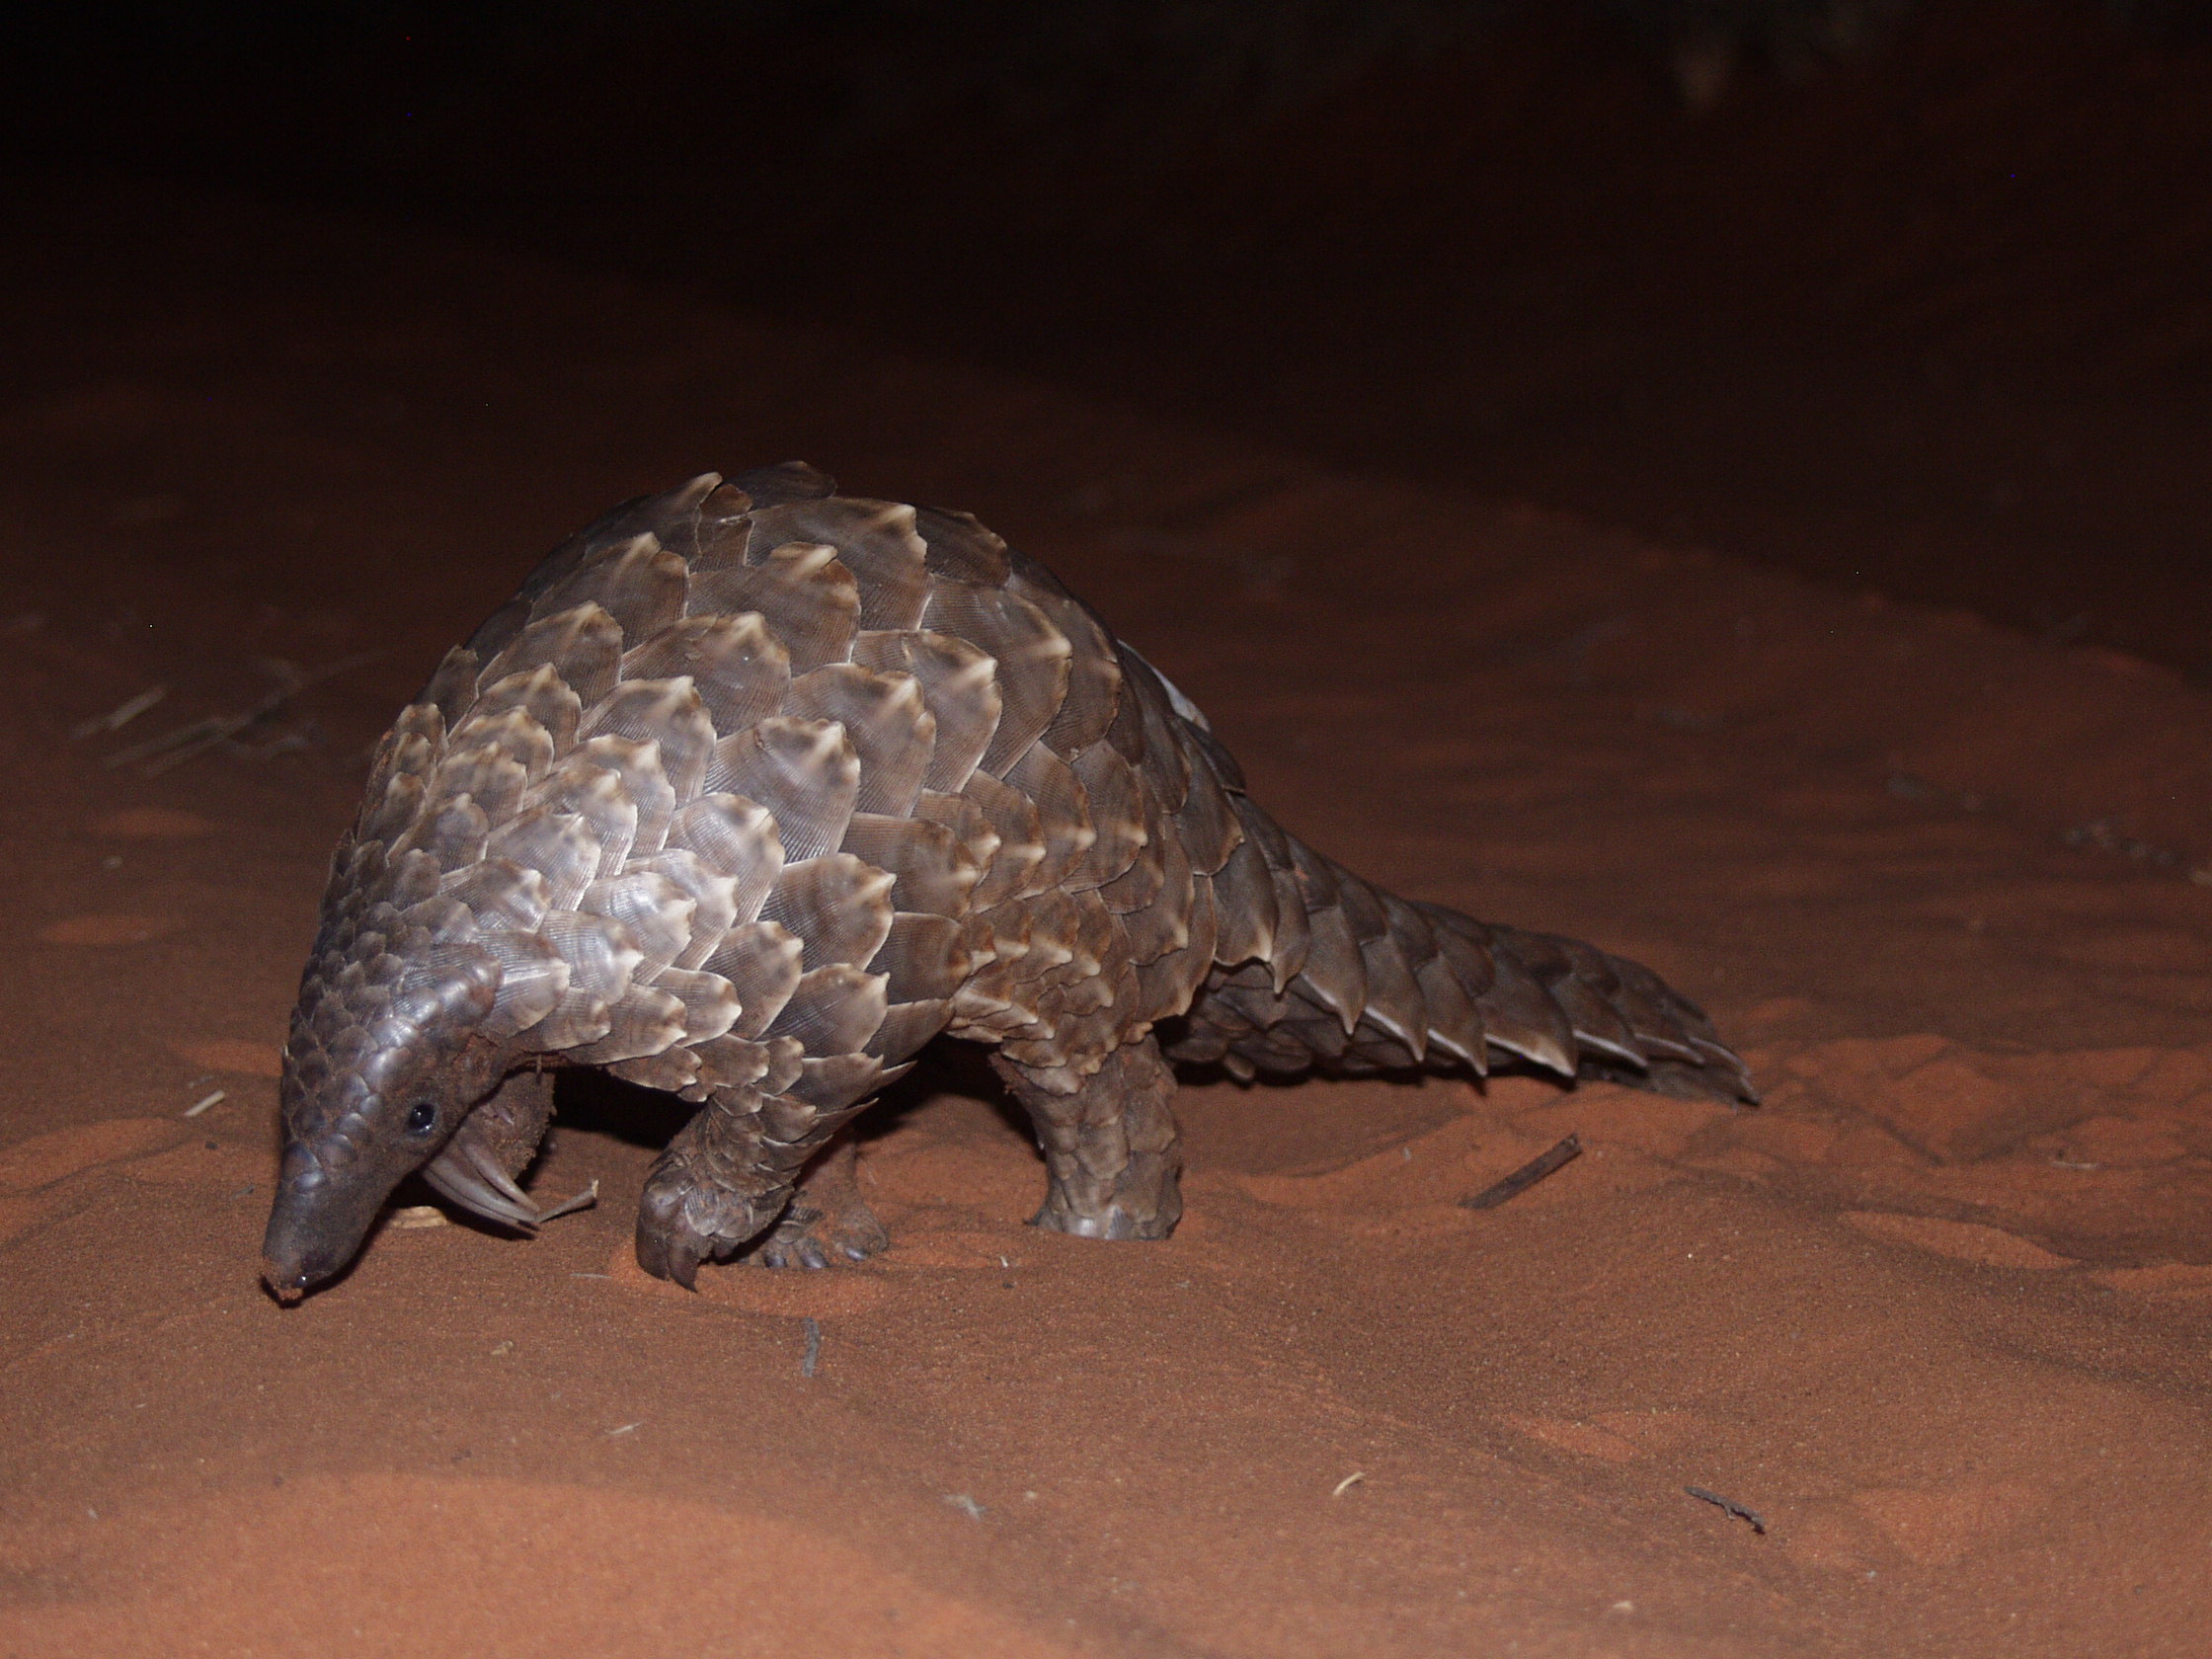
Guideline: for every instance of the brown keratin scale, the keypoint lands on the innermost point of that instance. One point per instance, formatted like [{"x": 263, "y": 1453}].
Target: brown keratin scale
[{"x": 753, "y": 790}]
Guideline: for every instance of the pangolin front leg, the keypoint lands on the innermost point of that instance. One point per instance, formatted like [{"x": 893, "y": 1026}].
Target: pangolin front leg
[
  {"x": 727, "y": 1175},
  {"x": 1112, "y": 1161}
]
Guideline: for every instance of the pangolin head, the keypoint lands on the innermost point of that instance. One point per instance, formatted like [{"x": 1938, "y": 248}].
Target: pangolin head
[{"x": 387, "y": 1061}]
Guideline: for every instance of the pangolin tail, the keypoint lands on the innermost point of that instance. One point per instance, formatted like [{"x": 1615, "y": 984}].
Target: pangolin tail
[{"x": 1352, "y": 980}]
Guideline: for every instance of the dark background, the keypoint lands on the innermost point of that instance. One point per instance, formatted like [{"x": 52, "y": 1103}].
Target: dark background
[{"x": 1916, "y": 297}]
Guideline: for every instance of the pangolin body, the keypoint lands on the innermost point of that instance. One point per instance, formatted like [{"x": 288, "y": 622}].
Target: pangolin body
[{"x": 751, "y": 791}]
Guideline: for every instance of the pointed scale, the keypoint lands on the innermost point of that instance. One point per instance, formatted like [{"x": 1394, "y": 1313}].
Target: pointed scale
[
  {"x": 876, "y": 540},
  {"x": 807, "y": 599},
  {"x": 930, "y": 870},
  {"x": 805, "y": 772},
  {"x": 960, "y": 684},
  {"x": 637, "y": 582},
  {"x": 732, "y": 837},
  {"x": 737, "y": 670},
  {"x": 488, "y": 774},
  {"x": 763, "y": 961},
  {"x": 541, "y": 698},
  {"x": 584, "y": 646},
  {"x": 837, "y": 906},
  {"x": 453, "y": 684},
  {"x": 885, "y": 718},
  {"x": 668, "y": 713},
  {"x": 832, "y": 1010},
  {"x": 559, "y": 846},
  {"x": 596, "y": 794},
  {"x": 713, "y": 896},
  {"x": 655, "y": 910},
  {"x": 1031, "y": 653},
  {"x": 1063, "y": 812}
]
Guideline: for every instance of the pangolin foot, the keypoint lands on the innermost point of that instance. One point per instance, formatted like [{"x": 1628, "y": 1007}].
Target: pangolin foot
[
  {"x": 812, "y": 1236},
  {"x": 680, "y": 1225},
  {"x": 1113, "y": 1219}
]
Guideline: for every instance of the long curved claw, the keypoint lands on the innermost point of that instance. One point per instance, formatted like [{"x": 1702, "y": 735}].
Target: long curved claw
[
  {"x": 673, "y": 1259},
  {"x": 665, "y": 1248},
  {"x": 487, "y": 1191}
]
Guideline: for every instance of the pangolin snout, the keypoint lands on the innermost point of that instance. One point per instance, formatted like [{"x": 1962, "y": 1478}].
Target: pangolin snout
[{"x": 315, "y": 1227}]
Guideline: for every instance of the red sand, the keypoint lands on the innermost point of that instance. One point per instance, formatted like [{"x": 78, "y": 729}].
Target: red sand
[{"x": 1938, "y": 1311}]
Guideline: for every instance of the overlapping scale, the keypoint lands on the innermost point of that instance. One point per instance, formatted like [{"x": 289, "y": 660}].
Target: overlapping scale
[
  {"x": 804, "y": 773},
  {"x": 579, "y": 787},
  {"x": 559, "y": 846},
  {"x": 637, "y": 582},
  {"x": 639, "y": 780},
  {"x": 930, "y": 869},
  {"x": 959, "y": 684},
  {"x": 763, "y": 961},
  {"x": 737, "y": 667},
  {"x": 886, "y": 720},
  {"x": 669, "y": 714},
  {"x": 531, "y": 714},
  {"x": 837, "y": 906},
  {"x": 734, "y": 838},
  {"x": 582, "y": 645},
  {"x": 877, "y": 541},
  {"x": 655, "y": 910},
  {"x": 1032, "y": 657},
  {"x": 713, "y": 896},
  {"x": 806, "y": 598}
]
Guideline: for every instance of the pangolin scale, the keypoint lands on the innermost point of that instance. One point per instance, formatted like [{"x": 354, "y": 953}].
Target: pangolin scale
[{"x": 751, "y": 791}]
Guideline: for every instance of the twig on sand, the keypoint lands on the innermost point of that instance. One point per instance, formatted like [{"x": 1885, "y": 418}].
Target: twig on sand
[
  {"x": 202, "y": 1105},
  {"x": 121, "y": 715},
  {"x": 813, "y": 1355},
  {"x": 173, "y": 747},
  {"x": 1729, "y": 1506},
  {"x": 1526, "y": 1176},
  {"x": 1356, "y": 1477},
  {"x": 584, "y": 1200}
]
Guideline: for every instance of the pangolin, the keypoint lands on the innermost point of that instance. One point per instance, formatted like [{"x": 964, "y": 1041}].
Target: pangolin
[{"x": 754, "y": 789}]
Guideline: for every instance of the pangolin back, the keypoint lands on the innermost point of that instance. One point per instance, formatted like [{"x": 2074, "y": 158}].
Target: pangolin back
[{"x": 753, "y": 789}]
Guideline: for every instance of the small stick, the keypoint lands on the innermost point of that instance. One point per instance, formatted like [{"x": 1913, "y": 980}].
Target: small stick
[
  {"x": 1526, "y": 1176},
  {"x": 1729, "y": 1506},
  {"x": 813, "y": 1349},
  {"x": 174, "y": 748},
  {"x": 122, "y": 714},
  {"x": 199, "y": 1106},
  {"x": 1348, "y": 1482},
  {"x": 200, "y": 732},
  {"x": 584, "y": 1200}
]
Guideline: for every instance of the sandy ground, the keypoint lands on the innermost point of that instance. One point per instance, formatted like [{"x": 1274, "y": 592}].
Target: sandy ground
[{"x": 1937, "y": 1313}]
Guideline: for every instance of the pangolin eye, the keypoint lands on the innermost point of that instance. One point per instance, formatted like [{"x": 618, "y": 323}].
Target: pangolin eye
[{"x": 423, "y": 1119}]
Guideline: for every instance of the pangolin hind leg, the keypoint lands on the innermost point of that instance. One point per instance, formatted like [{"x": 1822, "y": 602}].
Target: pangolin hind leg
[
  {"x": 1111, "y": 1153},
  {"x": 826, "y": 1218}
]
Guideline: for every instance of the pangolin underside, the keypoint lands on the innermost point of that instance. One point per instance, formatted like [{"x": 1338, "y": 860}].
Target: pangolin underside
[{"x": 754, "y": 789}]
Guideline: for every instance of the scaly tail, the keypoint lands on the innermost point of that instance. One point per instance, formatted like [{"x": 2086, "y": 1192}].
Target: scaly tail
[{"x": 1355, "y": 980}]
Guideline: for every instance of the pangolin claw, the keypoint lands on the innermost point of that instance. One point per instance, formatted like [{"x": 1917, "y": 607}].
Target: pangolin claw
[
  {"x": 827, "y": 1219},
  {"x": 801, "y": 1250},
  {"x": 682, "y": 1264},
  {"x": 471, "y": 1179}
]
